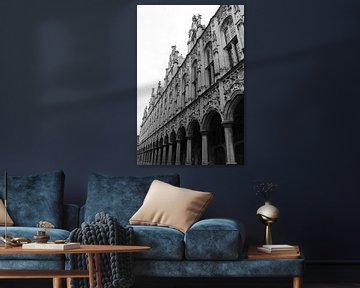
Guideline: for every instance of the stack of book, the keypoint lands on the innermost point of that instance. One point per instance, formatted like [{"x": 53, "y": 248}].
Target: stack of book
[
  {"x": 274, "y": 252},
  {"x": 279, "y": 249}
]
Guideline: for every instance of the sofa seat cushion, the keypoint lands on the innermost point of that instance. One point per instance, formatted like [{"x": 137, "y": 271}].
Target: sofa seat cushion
[
  {"x": 119, "y": 196},
  {"x": 29, "y": 232},
  {"x": 213, "y": 269},
  {"x": 35, "y": 198},
  {"x": 214, "y": 239},
  {"x": 166, "y": 243}
]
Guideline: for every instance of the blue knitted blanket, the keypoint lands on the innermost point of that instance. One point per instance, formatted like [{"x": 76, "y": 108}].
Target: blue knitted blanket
[{"x": 116, "y": 268}]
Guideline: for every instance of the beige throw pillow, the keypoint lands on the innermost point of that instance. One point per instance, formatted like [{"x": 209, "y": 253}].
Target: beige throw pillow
[
  {"x": 170, "y": 206},
  {"x": 9, "y": 221}
]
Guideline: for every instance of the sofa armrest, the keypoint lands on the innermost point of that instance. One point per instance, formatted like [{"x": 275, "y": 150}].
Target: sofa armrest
[
  {"x": 71, "y": 216},
  {"x": 215, "y": 239}
]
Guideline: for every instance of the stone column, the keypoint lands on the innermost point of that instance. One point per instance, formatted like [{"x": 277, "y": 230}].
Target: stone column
[
  {"x": 170, "y": 153},
  {"x": 230, "y": 154},
  {"x": 158, "y": 161},
  {"x": 178, "y": 150},
  {"x": 188, "y": 151},
  {"x": 164, "y": 155},
  {"x": 154, "y": 162},
  {"x": 204, "y": 148}
]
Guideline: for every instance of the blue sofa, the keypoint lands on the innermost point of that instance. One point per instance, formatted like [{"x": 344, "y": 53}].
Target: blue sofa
[
  {"x": 32, "y": 199},
  {"x": 210, "y": 248}
]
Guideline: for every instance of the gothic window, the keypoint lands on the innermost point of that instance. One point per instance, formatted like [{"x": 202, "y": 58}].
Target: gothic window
[
  {"x": 227, "y": 35},
  {"x": 209, "y": 64},
  {"x": 231, "y": 42},
  {"x": 173, "y": 108},
  {"x": 194, "y": 81},
  {"x": 177, "y": 95},
  {"x": 183, "y": 89}
]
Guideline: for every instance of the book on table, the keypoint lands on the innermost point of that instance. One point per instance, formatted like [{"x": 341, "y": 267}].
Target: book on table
[
  {"x": 278, "y": 249},
  {"x": 51, "y": 246}
]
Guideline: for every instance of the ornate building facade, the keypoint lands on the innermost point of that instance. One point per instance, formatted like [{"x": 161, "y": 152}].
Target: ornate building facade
[{"x": 196, "y": 117}]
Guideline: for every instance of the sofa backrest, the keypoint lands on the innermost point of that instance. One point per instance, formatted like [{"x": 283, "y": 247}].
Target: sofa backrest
[
  {"x": 35, "y": 198},
  {"x": 120, "y": 196}
]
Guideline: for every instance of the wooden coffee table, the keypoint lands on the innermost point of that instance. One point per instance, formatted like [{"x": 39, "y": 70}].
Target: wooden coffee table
[{"x": 57, "y": 275}]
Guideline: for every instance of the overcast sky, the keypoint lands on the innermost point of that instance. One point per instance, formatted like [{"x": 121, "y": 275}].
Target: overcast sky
[{"x": 158, "y": 28}]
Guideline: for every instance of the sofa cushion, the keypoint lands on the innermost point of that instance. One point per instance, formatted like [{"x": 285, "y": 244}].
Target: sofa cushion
[
  {"x": 119, "y": 196},
  {"x": 214, "y": 239},
  {"x": 9, "y": 221},
  {"x": 29, "y": 232},
  {"x": 170, "y": 206},
  {"x": 35, "y": 198},
  {"x": 165, "y": 243}
]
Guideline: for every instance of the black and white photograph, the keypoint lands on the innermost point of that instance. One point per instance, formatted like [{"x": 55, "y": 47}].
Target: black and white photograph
[{"x": 190, "y": 85}]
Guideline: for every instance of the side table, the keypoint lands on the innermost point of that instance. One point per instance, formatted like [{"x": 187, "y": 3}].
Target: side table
[{"x": 288, "y": 259}]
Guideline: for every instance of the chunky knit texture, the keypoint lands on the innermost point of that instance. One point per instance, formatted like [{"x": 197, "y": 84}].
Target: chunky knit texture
[{"x": 116, "y": 268}]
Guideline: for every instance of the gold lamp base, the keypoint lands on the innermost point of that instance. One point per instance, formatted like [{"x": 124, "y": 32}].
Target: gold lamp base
[{"x": 268, "y": 238}]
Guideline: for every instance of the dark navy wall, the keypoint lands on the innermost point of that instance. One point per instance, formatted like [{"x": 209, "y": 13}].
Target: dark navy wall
[{"x": 68, "y": 101}]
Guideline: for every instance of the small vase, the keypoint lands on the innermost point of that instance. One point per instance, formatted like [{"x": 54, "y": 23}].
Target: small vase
[
  {"x": 41, "y": 237},
  {"x": 268, "y": 214}
]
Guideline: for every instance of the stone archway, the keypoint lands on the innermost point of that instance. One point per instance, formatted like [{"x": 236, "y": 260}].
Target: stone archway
[
  {"x": 160, "y": 151},
  {"x": 234, "y": 126},
  {"x": 172, "y": 148},
  {"x": 165, "y": 150},
  {"x": 215, "y": 138},
  {"x": 180, "y": 146},
  {"x": 194, "y": 140}
]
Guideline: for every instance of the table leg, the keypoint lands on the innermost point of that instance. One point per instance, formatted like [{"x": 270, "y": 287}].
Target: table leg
[
  {"x": 91, "y": 270},
  {"x": 98, "y": 270},
  {"x": 57, "y": 283},
  {"x": 68, "y": 282},
  {"x": 297, "y": 282}
]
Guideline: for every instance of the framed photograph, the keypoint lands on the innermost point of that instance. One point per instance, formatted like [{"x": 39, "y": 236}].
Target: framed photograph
[{"x": 190, "y": 84}]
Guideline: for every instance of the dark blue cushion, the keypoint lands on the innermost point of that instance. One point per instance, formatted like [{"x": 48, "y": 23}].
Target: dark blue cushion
[
  {"x": 35, "y": 198},
  {"x": 119, "y": 196},
  {"x": 214, "y": 239},
  {"x": 166, "y": 243}
]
